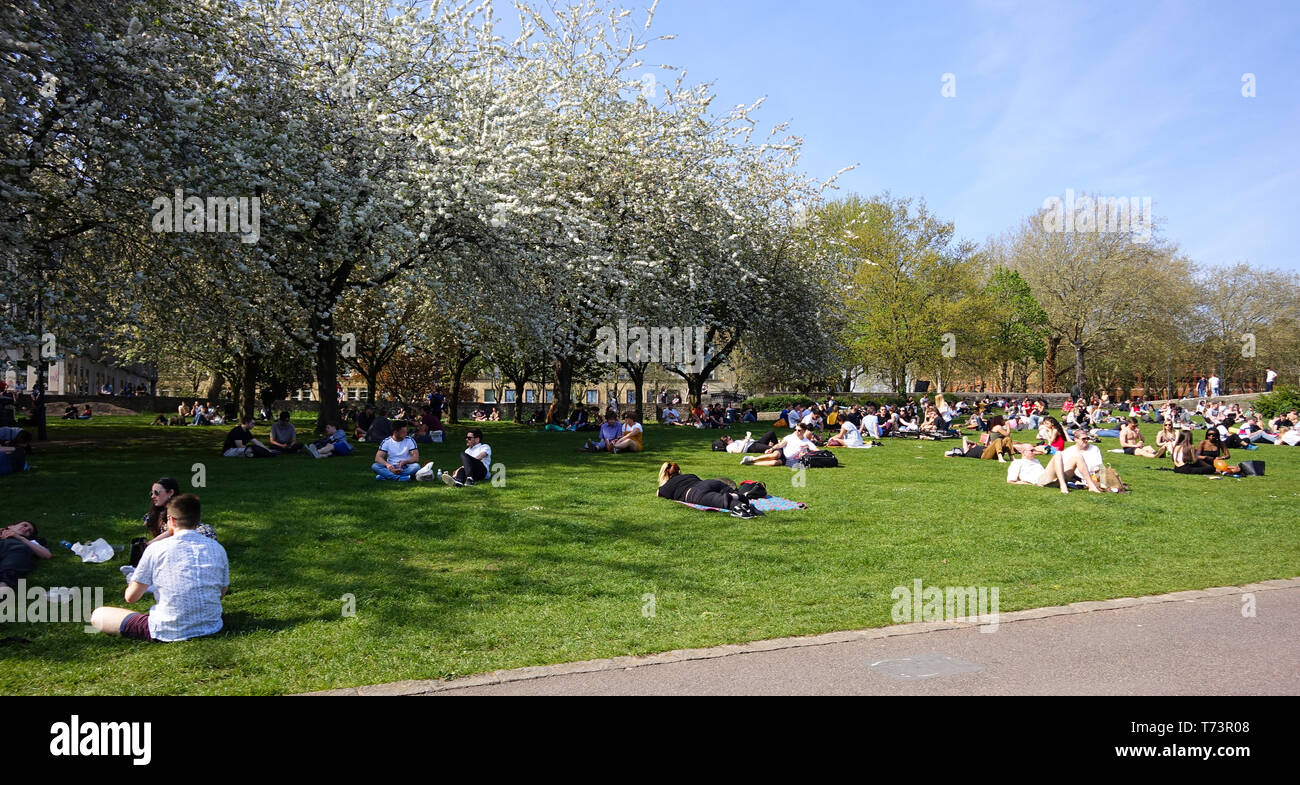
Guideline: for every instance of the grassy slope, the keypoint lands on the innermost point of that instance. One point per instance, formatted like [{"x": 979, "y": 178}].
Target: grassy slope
[{"x": 553, "y": 566}]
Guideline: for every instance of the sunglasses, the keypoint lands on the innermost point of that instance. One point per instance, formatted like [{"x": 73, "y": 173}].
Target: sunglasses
[{"x": 156, "y": 493}]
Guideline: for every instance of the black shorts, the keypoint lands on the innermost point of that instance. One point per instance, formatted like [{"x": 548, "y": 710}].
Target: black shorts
[{"x": 1129, "y": 450}]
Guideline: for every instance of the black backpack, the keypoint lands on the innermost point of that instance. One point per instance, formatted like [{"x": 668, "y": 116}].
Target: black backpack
[
  {"x": 819, "y": 459},
  {"x": 752, "y": 490}
]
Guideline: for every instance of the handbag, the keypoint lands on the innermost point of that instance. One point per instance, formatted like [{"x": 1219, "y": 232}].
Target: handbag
[{"x": 1252, "y": 468}]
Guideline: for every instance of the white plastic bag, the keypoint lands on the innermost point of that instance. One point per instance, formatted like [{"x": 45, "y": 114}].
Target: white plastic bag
[{"x": 97, "y": 551}]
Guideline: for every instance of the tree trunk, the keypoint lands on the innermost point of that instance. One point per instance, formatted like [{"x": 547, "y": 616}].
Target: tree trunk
[
  {"x": 1079, "y": 367},
  {"x": 636, "y": 372},
  {"x": 372, "y": 387},
  {"x": 248, "y": 388},
  {"x": 519, "y": 398},
  {"x": 1049, "y": 369},
  {"x": 327, "y": 376},
  {"x": 563, "y": 383},
  {"x": 463, "y": 359}
]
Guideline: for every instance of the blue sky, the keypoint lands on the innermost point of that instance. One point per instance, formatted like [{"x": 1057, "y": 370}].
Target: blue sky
[{"x": 1117, "y": 99}]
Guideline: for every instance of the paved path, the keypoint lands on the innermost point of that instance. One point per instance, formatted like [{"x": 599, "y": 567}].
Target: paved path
[{"x": 1185, "y": 643}]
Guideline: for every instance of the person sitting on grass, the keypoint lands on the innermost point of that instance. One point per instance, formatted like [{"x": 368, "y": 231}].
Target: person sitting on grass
[
  {"x": 671, "y": 417},
  {"x": 747, "y": 444},
  {"x": 610, "y": 432},
  {"x": 691, "y": 489},
  {"x": 1166, "y": 439},
  {"x": 631, "y": 438},
  {"x": 69, "y": 412},
  {"x": 1185, "y": 458},
  {"x": 284, "y": 437},
  {"x": 578, "y": 420},
  {"x": 161, "y": 493},
  {"x": 475, "y": 463},
  {"x": 240, "y": 442},
  {"x": 786, "y": 452},
  {"x": 1081, "y": 462},
  {"x": 380, "y": 428},
  {"x": 398, "y": 457},
  {"x": 365, "y": 419},
  {"x": 18, "y": 545},
  {"x": 334, "y": 443},
  {"x": 999, "y": 443},
  {"x": 159, "y": 420},
  {"x": 187, "y": 572},
  {"x": 1131, "y": 442},
  {"x": 554, "y": 417},
  {"x": 849, "y": 436}
]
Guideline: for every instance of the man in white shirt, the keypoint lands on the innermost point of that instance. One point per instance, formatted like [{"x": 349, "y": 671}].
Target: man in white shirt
[
  {"x": 475, "y": 462},
  {"x": 1080, "y": 462},
  {"x": 1270, "y": 376},
  {"x": 786, "y": 452},
  {"x": 1214, "y": 386},
  {"x": 671, "y": 417},
  {"x": 398, "y": 457},
  {"x": 188, "y": 573}
]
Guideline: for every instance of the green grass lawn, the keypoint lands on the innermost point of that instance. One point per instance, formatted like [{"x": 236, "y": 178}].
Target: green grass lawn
[{"x": 553, "y": 566}]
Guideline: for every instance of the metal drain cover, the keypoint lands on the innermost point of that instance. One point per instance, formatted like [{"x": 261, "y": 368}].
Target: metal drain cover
[{"x": 925, "y": 666}]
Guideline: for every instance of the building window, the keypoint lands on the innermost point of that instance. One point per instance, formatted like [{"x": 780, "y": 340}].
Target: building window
[
  {"x": 593, "y": 396},
  {"x": 631, "y": 396},
  {"x": 489, "y": 396},
  {"x": 530, "y": 396},
  {"x": 510, "y": 396},
  {"x": 550, "y": 396}
]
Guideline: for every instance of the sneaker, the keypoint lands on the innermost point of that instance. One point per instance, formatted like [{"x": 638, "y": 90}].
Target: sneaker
[
  {"x": 468, "y": 483},
  {"x": 747, "y": 460},
  {"x": 312, "y": 451},
  {"x": 379, "y": 476},
  {"x": 447, "y": 479}
]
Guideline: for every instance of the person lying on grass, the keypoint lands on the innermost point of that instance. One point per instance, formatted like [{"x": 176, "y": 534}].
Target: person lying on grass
[
  {"x": 18, "y": 545},
  {"x": 747, "y": 444},
  {"x": 334, "y": 443},
  {"x": 398, "y": 457},
  {"x": 1026, "y": 469},
  {"x": 786, "y": 452},
  {"x": 187, "y": 572},
  {"x": 1081, "y": 462},
  {"x": 691, "y": 489}
]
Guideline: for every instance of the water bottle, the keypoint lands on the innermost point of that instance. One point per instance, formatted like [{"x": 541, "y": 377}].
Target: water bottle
[{"x": 65, "y": 544}]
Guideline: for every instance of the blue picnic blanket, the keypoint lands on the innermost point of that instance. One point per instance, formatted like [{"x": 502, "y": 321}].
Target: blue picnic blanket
[{"x": 767, "y": 504}]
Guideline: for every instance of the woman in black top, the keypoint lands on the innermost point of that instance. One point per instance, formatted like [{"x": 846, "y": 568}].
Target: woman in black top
[
  {"x": 1185, "y": 458},
  {"x": 691, "y": 489}
]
